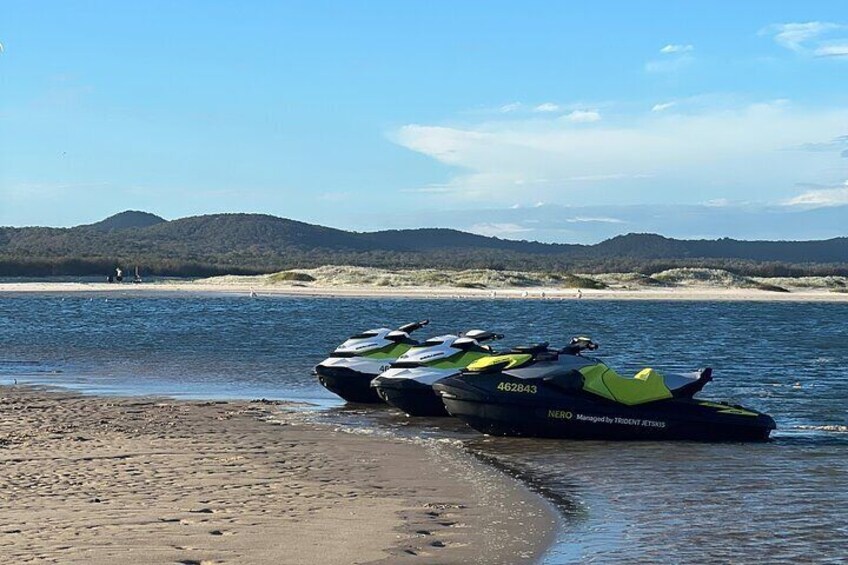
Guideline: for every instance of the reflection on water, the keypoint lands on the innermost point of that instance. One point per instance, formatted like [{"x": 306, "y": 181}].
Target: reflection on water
[{"x": 622, "y": 502}]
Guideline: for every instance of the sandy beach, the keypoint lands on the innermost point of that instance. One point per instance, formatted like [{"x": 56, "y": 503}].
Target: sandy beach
[
  {"x": 248, "y": 287},
  {"x": 149, "y": 480}
]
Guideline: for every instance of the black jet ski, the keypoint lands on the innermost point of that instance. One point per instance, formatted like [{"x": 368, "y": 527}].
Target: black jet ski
[
  {"x": 408, "y": 383},
  {"x": 349, "y": 370},
  {"x": 543, "y": 392}
]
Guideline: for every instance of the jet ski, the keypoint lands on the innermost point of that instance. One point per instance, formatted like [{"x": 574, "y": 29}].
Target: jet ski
[
  {"x": 349, "y": 369},
  {"x": 543, "y": 392},
  {"x": 408, "y": 384}
]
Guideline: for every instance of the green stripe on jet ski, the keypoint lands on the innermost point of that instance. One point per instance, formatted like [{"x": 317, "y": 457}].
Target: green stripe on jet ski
[
  {"x": 727, "y": 409},
  {"x": 391, "y": 351},
  {"x": 459, "y": 360}
]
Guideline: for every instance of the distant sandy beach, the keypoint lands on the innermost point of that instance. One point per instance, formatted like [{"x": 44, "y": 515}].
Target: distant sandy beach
[
  {"x": 247, "y": 288},
  {"x": 146, "y": 480}
]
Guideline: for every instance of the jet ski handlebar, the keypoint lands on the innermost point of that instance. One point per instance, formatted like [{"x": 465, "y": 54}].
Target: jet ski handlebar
[{"x": 409, "y": 328}]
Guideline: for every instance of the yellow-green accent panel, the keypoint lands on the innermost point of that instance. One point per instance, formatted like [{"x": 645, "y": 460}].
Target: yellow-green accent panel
[
  {"x": 725, "y": 409},
  {"x": 458, "y": 361},
  {"x": 646, "y": 386},
  {"x": 512, "y": 361}
]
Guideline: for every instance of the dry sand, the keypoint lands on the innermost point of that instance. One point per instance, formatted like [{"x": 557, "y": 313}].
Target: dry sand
[
  {"x": 245, "y": 288},
  {"x": 143, "y": 480}
]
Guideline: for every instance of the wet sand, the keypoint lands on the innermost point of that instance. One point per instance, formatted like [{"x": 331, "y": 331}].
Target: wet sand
[
  {"x": 148, "y": 480},
  {"x": 694, "y": 292}
]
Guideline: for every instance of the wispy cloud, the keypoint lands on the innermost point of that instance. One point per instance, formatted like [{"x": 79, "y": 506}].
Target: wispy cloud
[
  {"x": 676, "y": 48},
  {"x": 835, "y": 144},
  {"x": 832, "y": 50},
  {"x": 810, "y": 38},
  {"x": 547, "y": 107},
  {"x": 511, "y": 107},
  {"x": 498, "y": 229},
  {"x": 591, "y": 220},
  {"x": 673, "y": 57},
  {"x": 821, "y": 197},
  {"x": 653, "y": 155},
  {"x": 583, "y": 116},
  {"x": 662, "y": 106},
  {"x": 795, "y": 35}
]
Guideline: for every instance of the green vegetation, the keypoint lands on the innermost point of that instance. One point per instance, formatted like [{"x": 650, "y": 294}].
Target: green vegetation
[
  {"x": 259, "y": 244},
  {"x": 770, "y": 287},
  {"x": 469, "y": 285},
  {"x": 576, "y": 281},
  {"x": 290, "y": 276}
]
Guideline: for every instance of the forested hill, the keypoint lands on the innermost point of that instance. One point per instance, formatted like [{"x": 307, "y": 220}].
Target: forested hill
[{"x": 256, "y": 243}]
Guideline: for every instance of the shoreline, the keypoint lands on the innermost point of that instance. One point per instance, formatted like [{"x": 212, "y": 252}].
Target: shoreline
[
  {"x": 200, "y": 288},
  {"x": 103, "y": 479}
]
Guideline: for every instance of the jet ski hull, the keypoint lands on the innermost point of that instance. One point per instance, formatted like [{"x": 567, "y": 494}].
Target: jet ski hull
[
  {"x": 350, "y": 384},
  {"x": 414, "y": 398},
  {"x": 524, "y": 407}
]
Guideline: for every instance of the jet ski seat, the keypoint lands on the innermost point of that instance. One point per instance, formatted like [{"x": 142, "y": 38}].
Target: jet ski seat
[{"x": 646, "y": 386}]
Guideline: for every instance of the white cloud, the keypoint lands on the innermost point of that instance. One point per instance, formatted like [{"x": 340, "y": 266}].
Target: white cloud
[
  {"x": 795, "y": 35},
  {"x": 498, "y": 229},
  {"x": 717, "y": 203},
  {"x": 821, "y": 197},
  {"x": 676, "y": 48},
  {"x": 660, "y": 157},
  {"x": 583, "y": 116},
  {"x": 598, "y": 220},
  {"x": 511, "y": 107},
  {"x": 662, "y": 106},
  {"x": 547, "y": 107},
  {"x": 832, "y": 50},
  {"x": 674, "y": 58},
  {"x": 810, "y": 38}
]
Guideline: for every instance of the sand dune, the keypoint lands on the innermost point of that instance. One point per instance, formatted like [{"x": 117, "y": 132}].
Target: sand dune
[{"x": 673, "y": 284}]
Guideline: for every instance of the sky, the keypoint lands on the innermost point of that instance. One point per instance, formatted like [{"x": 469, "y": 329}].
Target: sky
[{"x": 569, "y": 121}]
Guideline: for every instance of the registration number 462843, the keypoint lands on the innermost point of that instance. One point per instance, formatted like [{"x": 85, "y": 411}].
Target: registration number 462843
[{"x": 516, "y": 387}]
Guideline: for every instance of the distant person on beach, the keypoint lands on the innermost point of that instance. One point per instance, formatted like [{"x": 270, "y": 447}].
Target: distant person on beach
[
  {"x": 109, "y": 279},
  {"x": 119, "y": 274},
  {"x": 579, "y": 293}
]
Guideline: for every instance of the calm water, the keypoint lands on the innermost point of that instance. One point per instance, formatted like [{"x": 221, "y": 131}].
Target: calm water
[{"x": 784, "y": 501}]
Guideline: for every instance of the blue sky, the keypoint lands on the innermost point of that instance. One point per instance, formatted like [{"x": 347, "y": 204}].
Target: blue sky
[{"x": 473, "y": 115}]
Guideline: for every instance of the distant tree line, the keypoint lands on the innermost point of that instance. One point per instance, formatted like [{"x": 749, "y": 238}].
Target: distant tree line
[{"x": 254, "y": 243}]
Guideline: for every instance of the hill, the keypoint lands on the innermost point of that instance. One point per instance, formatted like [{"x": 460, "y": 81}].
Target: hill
[
  {"x": 259, "y": 243},
  {"x": 128, "y": 219}
]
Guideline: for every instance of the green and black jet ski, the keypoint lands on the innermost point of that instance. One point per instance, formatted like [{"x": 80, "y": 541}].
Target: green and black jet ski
[
  {"x": 408, "y": 383},
  {"x": 542, "y": 392},
  {"x": 349, "y": 370}
]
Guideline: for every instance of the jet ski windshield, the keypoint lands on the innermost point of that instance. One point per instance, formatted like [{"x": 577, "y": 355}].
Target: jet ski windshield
[{"x": 368, "y": 333}]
